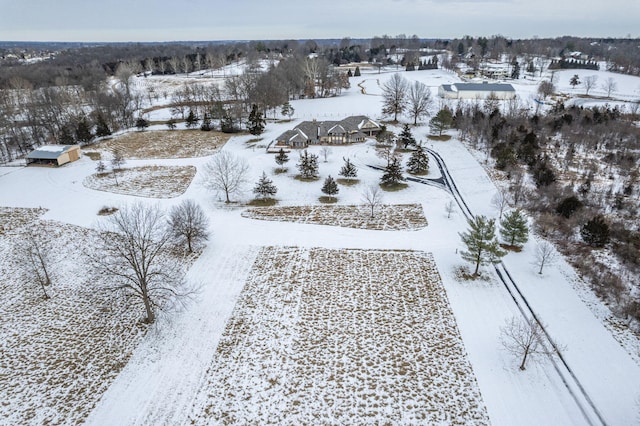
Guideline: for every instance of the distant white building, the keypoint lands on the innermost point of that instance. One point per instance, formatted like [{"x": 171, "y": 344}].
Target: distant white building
[{"x": 476, "y": 91}]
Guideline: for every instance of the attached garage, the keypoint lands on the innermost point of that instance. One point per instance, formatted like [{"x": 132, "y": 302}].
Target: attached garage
[{"x": 53, "y": 155}]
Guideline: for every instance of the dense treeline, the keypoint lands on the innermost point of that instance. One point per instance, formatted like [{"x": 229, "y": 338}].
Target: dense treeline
[{"x": 583, "y": 166}]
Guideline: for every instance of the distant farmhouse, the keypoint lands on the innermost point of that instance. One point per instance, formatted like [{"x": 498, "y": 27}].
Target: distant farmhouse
[
  {"x": 350, "y": 130},
  {"x": 53, "y": 155},
  {"x": 476, "y": 91}
]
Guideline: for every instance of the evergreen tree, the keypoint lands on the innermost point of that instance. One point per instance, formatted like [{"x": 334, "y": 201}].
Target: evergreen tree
[
  {"x": 226, "y": 124},
  {"x": 287, "y": 110},
  {"x": 83, "y": 131},
  {"x": 256, "y": 123},
  {"x": 330, "y": 187},
  {"x": 357, "y": 72},
  {"x": 442, "y": 121},
  {"x": 514, "y": 229},
  {"x": 515, "y": 71},
  {"x": 348, "y": 170},
  {"x": 281, "y": 158},
  {"x": 406, "y": 137},
  {"x": 264, "y": 187},
  {"x": 142, "y": 124},
  {"x": 206, "y": 123},
  {"x": 569, "y": 206},
  {"x": 102, "y": 128},
  {"x": 595, "y": 232},
  {"x": 480, "y": 240},
  {"x": 66, "y": 136},
  {"x": 349, "y": 73},
  {"x": 100, "y": 167},
  {"x": 392, "y": 173},
  {"x": 575, "y": 80},
  {"x": 308, "y": 165},
  {"x": 418, "y": 162},
  {"x": 191, "y": 120}
]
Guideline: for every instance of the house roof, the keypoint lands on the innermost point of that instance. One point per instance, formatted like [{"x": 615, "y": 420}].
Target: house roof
[
  {"x": 50, "y": 152},
  {"x": 479, "y": 87},
  {"x": 313, "y": 130}
]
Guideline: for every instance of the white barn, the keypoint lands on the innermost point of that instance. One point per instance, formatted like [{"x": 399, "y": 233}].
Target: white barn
[{"x": 476, "y": 91}]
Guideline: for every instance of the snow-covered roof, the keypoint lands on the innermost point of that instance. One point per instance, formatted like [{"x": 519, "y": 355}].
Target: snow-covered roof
[
  {"x": 50, "y": 152},
  {"x": 483, "y": 87}
]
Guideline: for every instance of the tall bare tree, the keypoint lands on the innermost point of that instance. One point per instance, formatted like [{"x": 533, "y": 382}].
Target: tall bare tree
[
  {"x": 524, "y": 338},
  {"x": 545, "y": 255},
  {"x": 610, "y": 85},
  {"x": 225, "y": 173},
  {"x": 134, "y": 250},
  {"x": 33, "y": 255},
  {"x": 419, "y": 101},
  {"x": 590, "y": 82},
  {"x": 188, "y": 224},
  {"x": 394, "y": 95},
  {"x": 372, "y": 197}
]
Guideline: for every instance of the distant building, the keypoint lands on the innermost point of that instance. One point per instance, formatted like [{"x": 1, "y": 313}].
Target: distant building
[
  {"x": 476, "y": 91},
  {"x": 53, "y": 155},
  {"x": 350, "y": 130}
]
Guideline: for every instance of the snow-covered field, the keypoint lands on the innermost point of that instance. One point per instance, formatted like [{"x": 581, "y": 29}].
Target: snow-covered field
[
  {"x": 166, "y": 379},
  {"x": 340, "y": 337}
]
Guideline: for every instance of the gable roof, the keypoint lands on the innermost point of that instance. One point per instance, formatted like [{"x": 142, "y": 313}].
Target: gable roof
[
  {"x": 50, "y": 152},
  {"x": 481, "y": 87}
]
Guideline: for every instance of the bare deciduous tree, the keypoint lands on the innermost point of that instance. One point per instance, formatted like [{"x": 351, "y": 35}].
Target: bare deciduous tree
[
  {"x": 546, "y": 89},
  {"x": 117, "y": 161},
  {"x": 134, "y": 250},
  {"x": 610, "y": 86},
  {"x": 325, "y": 151},
  {"x": 590, "y": 82},
  {"x": 524, "y": 339},
  {"x": 225, "y": 173},
  {"x": 419, "y": 101},
  {"x": 394, "y": 95},
  {"x": 188, "y": 224},
  {"x": 372, "y": 197},
  {"x": 33, "y": 255},
  {"x": 500, "y": 202},
  {"x": 450, "y": 207},
  {"x": 545, "y": 255}
]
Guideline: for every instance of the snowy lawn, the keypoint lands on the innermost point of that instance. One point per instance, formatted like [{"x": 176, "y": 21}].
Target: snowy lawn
[
  {"x": 164, "y": 144},
  {"x": 341, "y": 337},
  {"x": 146, "y": 181},
  {"x": 386, "y": 217},
  {"x": 58, "y": 355},
  {"x": 12, "y": 218}
]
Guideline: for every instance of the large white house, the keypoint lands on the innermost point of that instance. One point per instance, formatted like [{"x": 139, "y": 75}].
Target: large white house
[{"x": 476, "y": 91}]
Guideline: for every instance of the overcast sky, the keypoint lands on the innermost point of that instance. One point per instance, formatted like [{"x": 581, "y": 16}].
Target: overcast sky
[{"x": 174, "y": 20}]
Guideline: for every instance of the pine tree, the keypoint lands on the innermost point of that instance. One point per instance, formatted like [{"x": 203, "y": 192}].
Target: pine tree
[
  {"x": 392, "y": 173},
  {"x": 206, "y": 123},
  {"x": 515, "y": 71},
  {"x": 308, "y": 165},
  {"x": 100, "y": 167},
  {"x": 406, "y": 137},
  {"x": 348, "y": 170},
  {"x": 227, "y": 125},
  {"x": 575, "y": 80},
  {"x": 102, "y": 128},
  {"x": 281, "y": 158},
  {"x": 66, "y": 136},
  {"x": 83, "y": 131},
  {"x": 287, "y": 110},
  {"x": 357, "y": 72},
  {"x": 330, "y": 187},
  {"x": 191, "y": 120},
  {"x": 264, "y": 187},
  {"x": 256, "y": 123},
  {"x": 480, "y": 240},
  {"x": 514, "y": 229},
  {"x": 595, "y": 232},
  {"x": 418, "y": 162},
  {"x": 441, "y": 122},
  {"x": 142, "y": 124},
  {"x": 349, "y": 73}
]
